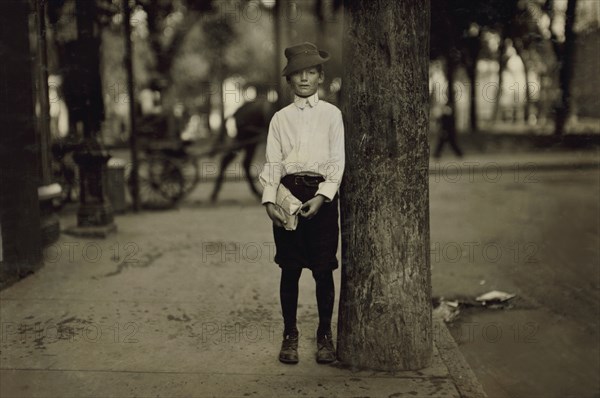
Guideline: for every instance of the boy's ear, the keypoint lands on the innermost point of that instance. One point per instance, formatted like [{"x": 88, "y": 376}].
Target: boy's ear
[{"x": 321, "y": 77}]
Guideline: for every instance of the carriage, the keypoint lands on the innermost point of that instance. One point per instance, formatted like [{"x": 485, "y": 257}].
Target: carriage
[{"x": 168, "y": 167}]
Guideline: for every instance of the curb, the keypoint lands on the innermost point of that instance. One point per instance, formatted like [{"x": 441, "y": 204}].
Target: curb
[
  {"x": 456, "y": 166},
  {"x": 462, "y": 375}
]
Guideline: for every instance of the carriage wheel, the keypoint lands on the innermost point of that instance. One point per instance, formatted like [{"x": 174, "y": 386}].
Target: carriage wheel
[
  {"x": 190, "y": 174},
  {"x": 160, "y": 182}
]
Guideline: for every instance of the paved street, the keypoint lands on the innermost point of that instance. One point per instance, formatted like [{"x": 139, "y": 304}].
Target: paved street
[{"x": 539, "y": 239}]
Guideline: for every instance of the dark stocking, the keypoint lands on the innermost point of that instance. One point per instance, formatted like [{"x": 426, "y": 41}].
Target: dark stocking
[
  {"x": 325, "y": 299},
  {"x": 288, "y": 293}
]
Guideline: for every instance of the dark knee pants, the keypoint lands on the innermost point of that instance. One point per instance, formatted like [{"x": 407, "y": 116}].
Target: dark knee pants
[{"x": 314, "y": 243}]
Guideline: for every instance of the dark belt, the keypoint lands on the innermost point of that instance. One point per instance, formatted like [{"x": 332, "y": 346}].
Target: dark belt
[{"x": 309, "y": 181}]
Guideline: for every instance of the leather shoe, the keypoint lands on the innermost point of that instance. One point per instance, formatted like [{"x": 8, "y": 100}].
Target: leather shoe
[
  {"x": 325, "y": 349},
  {"x": 289, "y": 349}
]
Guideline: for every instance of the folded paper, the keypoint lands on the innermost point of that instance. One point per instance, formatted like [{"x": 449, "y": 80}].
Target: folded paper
[{"x": 288, "y": 206}]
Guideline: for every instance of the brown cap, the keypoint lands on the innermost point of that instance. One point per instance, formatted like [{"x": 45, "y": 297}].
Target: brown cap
[{"x": 301, "y": 56}]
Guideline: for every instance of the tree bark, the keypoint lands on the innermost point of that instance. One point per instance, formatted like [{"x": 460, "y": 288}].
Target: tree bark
[
  {"x": 43, "y": 100},
  {"x": 521, "y": 53},
  {"x": 128, "y": 61},
  {"x": 87, "y": 64},
  {"x": 20, "y": 238},
  {"x": 470, "y": 53},
  {"x": 472, "y": 71},
  {"x": 527, "y": 113},
  {"x": 451, "y": 78},
  {"x": 501, "y": 66},
  {"x": 566, "y": 70},
  {"x": 385, "y": 304}
]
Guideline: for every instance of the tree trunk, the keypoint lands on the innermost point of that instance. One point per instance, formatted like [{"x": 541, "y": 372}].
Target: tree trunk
[
  {"x": 566, "y": 70},
  {"x": 501, "y": 66},
  {"x": 87, "y": 65},
  {"x": 451, "y": 77},
  {"x": 385, "y": 304},
  {"x": 20, "y": 238},
  {"x": 128, "y": 61},
  {"x": 470, "y": 57},
  {"x": 527, "y": 113},
  {"x": 521, "y": 53},
  {"x": 165, "y": 54},
  {"x": 43, "y": 100},
  {"x": 546, "y": 98},
  {"x": 472, "y": 71}
]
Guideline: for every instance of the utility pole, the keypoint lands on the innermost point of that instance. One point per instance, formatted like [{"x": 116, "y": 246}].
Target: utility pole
[{"x": 385, "y": 305}]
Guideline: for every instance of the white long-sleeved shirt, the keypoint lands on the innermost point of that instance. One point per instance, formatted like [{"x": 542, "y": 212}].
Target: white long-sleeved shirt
[{"x": 305, "y": 137}]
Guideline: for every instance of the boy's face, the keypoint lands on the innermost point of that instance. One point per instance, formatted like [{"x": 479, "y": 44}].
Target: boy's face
[{"x": 306, "y": 82}]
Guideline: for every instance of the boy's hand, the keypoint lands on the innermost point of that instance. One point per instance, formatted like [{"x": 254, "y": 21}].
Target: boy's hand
[
  {"x": 311, "y": 207},
  {"x": 275, "y": 215}
]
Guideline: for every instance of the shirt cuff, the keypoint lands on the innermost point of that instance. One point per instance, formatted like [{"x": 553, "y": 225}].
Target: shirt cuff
[
  {"x": 327, "y": 189},
  {"x": 269, "y": 194}
]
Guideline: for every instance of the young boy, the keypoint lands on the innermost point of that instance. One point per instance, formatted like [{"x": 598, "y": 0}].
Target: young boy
[{"x": 305, "y": 153}]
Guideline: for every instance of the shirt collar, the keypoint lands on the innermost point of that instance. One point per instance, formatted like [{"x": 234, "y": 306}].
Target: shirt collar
[{"x": 302, "y": 101}]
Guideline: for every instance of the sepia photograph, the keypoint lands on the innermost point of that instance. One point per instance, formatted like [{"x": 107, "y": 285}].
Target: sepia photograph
[{"x": 300, "y": 198}]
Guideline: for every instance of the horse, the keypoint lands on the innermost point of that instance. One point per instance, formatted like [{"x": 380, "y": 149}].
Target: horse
[{"x": 252, "y": 123}]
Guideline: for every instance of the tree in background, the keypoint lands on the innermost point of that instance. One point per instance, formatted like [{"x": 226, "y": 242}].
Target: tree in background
[
  {"x": 565, "y": 55},
  {"x": 457, "y": 37},
  {"x": 530, "y": 27},
  {"x": 521, "y": 32},
  {"x": 165, "y": 27},
  {"x": 444, "y": 37},
  {"x": 79, "y": 86}
]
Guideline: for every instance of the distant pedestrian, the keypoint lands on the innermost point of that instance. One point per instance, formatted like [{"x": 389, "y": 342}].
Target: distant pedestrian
[
  {"x": 447, "y": 134},
  {"x": 305, "y": 153}
]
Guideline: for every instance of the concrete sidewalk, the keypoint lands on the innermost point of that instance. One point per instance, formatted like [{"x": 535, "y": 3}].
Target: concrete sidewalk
[{"x": 182, "y": 303}]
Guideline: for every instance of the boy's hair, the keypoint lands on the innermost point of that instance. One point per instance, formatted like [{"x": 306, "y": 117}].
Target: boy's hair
[{"x": 319, "y": 69}]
